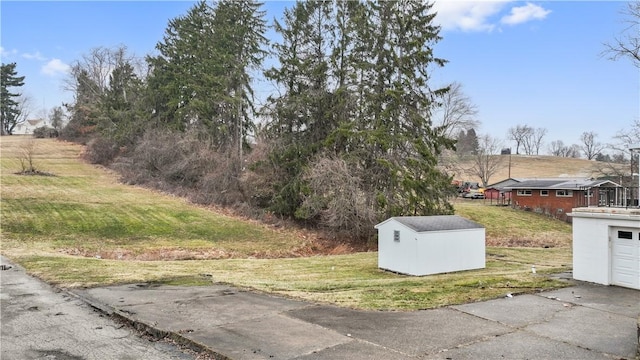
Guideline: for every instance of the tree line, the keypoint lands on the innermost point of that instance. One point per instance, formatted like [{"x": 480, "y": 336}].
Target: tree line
[
  {"x": 353, "y": 132},
  {"x": 346, "y": 139}
]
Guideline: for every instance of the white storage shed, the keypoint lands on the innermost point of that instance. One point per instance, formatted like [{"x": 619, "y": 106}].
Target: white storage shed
[
  {"x": 425, "y": 245},
  {"x": 606, "y": 246}
]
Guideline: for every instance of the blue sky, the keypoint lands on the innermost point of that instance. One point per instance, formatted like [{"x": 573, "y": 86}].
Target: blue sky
[{"x": 536, "y": 63}]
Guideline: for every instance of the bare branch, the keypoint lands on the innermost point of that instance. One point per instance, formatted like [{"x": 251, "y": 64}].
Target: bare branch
[
  {"x": 590, "y": 146},
  {"x": 627, "y": 45},
  {"x": 487, "y": 161},
  {"x": 456, "y": 112}
]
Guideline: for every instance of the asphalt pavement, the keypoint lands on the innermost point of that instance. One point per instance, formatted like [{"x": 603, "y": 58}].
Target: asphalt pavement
[
  {"x": 584, "y": 321},
  {"x": 38, "y": 321}
]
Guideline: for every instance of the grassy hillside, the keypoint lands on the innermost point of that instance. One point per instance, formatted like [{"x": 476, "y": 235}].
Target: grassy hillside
[
  {"x": 538, "y": 166},
  {"x": 81, "y": 227},
  {"x": 509, "y": 227}
]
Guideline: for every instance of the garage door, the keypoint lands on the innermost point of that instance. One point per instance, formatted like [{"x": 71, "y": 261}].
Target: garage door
[{"x": 625, "y": 257}]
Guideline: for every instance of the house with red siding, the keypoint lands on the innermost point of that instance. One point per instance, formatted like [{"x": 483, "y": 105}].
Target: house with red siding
[
  {"x": 500, "y": 192},
  {"x": 557, "y": 197}
]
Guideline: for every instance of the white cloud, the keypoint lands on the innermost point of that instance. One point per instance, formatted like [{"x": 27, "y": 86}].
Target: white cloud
[
  {"x": 467, "y": 15},
  {"x": 522, "y": 14},
  {"x": 7, "y": 53},
  {"x": 34, "y": 56},
  {"x": 55, "y": 67}
]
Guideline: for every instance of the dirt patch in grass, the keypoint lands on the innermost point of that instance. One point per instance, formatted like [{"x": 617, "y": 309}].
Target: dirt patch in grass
[
  {"x": 316, "y": 246},
  {"x": 34, "y": 173},
  {"x": 150, "y": 255},
  {"x": 529, "y": 242}
]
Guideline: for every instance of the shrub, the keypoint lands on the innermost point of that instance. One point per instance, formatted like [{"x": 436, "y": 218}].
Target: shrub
[
  {"x": 258, "y": 179},
  {"x": 336, "y": 198},
  {"x": 45, "y": 132},
  {"x": 182, "y": 163},
  {"x": 101, "y": 151}
]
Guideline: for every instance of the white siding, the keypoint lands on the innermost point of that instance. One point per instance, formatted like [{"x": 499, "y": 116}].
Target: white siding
[
  {"x": 591, "y": 250},
  {"x": 393, "y": 255},
  {"x": 452, "y": 250},
  {"x": 429, "y": 252},
  {"x": 594, "y": 237},
  {"x": 625, "y": 257}
]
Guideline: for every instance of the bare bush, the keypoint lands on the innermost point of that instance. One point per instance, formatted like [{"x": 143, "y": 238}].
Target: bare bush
[
  {"x": 182, "y": 163},
  {"x": 219, "y": 184},
  {"x": 101, "y": 151},
  {"x": 337, "y": 199},
  {"x": 27, "y": 160},
  {"x": 27, "y": 153},
  {"x": 259, "y": 176},
  {"x": 45, "y": 132}
]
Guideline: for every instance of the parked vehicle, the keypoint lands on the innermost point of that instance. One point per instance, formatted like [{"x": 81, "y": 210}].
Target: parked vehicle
[{"x": 473, "y": 195}]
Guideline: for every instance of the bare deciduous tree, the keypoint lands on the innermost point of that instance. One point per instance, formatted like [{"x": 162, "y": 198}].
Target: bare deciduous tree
[
  {"x": 627, "y": 45},
  {"x": 488, "y": 160},
  {"x": 92, "y": 71},
  {"x": 456, "y": 113},
  {"x": 532, "y": 142},
  {"x": 623, "y": 139},
  {"x": 519, "y": 134},
  {"x": 590, "y": 146},
  {"x": 23, "y": 110},
  {"x": 627, "y": 136},
  {"x": 558, "y": 148}
]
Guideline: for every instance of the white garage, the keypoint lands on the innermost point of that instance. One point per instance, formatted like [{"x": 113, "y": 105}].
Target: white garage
[
  {"x": 606, "y": 246},
  {"x": 425, "y": 245},
  {"x": 625, "y": 257}
]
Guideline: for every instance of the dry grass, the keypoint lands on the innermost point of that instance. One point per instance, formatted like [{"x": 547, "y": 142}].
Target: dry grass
[
  {"x": 84, "y": 211},
  {"x": 540, "y": 166},
  {"x": 352, "y": 280},
  {"x": 82, "y": 228}
]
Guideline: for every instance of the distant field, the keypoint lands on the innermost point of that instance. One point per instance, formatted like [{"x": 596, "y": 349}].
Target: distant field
[
  {"x": 541, "y": 166},
  {"x": 81, "y": 228}
]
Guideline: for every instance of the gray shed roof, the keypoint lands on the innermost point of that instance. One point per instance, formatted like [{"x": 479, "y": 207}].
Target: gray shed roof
[{"x": 435, "y": 223}]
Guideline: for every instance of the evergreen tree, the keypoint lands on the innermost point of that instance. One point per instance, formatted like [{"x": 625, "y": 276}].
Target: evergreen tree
[
  {"x": 122, "y": 106},
  {"x": 202, "y": 76},
  {"x": 400, "y": 145},
  {"x": 354, "y": 82},
  {"x": 9, "y": 106},
  {"x": 239, "y": 26},
  {"x": 302, "y": 117},
  {"x": 90, "y": 81},
  {"x": 56, "y": 117},
  {"x": 184, "y": 78}
]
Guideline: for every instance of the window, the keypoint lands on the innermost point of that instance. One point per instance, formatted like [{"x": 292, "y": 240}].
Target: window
[
  {"x": 625, "y": 235},
  {"x": 524, "y": 192},
  {"x": 588, "y": 193},
  {"x": 544, "y": 192},
  {"x": 396, "y": 235},
  {"x": 564, "y": 193}
]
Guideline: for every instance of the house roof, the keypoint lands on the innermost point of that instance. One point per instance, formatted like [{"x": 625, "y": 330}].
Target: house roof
[
  {"x": 561, "y": 184},
  {"x": 34, "y": 122},
  {"x": 434, "y": 223},
  {"x": 505, "y": 183}
]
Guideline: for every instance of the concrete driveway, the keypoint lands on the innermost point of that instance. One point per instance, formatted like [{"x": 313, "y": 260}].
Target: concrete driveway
[{"x": 584, "y": 321}]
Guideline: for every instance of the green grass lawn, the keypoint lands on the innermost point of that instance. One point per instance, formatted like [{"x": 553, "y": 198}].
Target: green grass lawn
[
  {"x": 82, "y": 228},
  {"x": 506, "y": 226}
]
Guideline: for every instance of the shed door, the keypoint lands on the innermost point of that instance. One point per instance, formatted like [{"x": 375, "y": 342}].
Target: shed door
[{"x": 625, "y": 257}]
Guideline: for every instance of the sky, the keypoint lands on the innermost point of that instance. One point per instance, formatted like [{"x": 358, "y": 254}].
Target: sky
[{"x": 535, "y": 63}]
